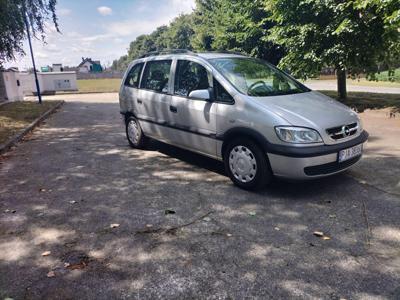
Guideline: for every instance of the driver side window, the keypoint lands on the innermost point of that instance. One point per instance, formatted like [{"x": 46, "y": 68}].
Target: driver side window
[{"x": 190, "y": 76}]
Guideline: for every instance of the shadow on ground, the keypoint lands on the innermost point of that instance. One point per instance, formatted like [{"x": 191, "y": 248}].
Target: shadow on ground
[{"x": 62, "y": 190}]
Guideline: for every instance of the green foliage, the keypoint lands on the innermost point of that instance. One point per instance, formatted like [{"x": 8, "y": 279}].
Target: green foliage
[
  {"x": 392, "y": 76},
  {"x": 175, "y": 36},
  {"x": 352, "y": 35},
  {"x": 215, "y": 25},
  {"x": 12, "y": 25},
  {"x": 234, "y": 25}
]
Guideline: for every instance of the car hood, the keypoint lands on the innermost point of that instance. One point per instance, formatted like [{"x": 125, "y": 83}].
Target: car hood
[{"x": 310, "y": 109}]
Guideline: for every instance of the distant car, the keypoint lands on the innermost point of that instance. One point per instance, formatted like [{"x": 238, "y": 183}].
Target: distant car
[{"x": 258, "y": 120}]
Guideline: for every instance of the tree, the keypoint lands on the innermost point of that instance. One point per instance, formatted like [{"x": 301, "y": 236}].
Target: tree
[
  {"x": 234, "y": 25},
  {"x": 12, "y": 23},
  {"x": 180, "y": 33},
  {"x": 353, "y": 36},
  {"x": 177, "y": 35}
]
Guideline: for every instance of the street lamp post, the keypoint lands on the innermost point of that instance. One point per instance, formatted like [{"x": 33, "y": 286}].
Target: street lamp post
[{"x": 33, "y": 60}]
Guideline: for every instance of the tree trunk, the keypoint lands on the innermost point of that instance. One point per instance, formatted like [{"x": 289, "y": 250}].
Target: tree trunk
[{"x": 341, "y": 83}]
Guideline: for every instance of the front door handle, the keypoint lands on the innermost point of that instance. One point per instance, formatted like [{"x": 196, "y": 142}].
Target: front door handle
[
  {"x": 174, "y": 109},
  {"x": 139, "y": 101}
]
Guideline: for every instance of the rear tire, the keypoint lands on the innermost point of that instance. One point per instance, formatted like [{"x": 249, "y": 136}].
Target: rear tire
[
  {"x": 247, "y": 164},
  {"x": 134, "y": 133}
]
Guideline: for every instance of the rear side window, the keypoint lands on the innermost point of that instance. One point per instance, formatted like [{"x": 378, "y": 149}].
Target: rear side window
[
  {"x": 190, "y": 76},
  {"x": 221, "y": 95},
  {"x": 156, "y": 76},
  {"x": 133, "y": 77}
]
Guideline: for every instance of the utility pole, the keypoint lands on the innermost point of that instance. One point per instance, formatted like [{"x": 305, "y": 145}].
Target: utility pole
[{"x": 33, "y": 60}]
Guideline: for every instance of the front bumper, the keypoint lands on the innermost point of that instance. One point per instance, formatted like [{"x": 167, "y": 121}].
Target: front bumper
[{"x": 312, "y": 162}]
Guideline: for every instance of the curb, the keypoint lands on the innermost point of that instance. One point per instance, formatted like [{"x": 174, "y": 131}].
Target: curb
[
  {"x": 80, "y": 93},
  {"x": 16, "y": 138}
]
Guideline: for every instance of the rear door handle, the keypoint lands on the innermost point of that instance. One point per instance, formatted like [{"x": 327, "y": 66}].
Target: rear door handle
[
  {"x": 174, "y": 109},
  {"x": 139, "y": 101}
]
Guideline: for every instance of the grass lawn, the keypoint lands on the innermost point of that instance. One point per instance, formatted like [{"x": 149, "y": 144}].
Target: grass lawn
[
  {"x": 384, "y": 76},
  {"x": 365, "y": 82},
  {"x": 16, "y": 116},
  {"x": 363, "y": 100},
  {"x": 359, "y": 100},
  {"x": 99, "y": 85}
]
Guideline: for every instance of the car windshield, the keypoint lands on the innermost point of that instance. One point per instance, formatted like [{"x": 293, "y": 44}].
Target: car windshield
[{"x": 257, "y": 78}]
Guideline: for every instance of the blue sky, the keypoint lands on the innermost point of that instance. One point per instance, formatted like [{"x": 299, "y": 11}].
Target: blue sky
[{"x": 100, "y": 29}]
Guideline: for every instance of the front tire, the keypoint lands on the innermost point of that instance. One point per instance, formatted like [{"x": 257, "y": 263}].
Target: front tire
[
  {"x": 134, "y": 133},
  {"x": 247, "y": 164}
]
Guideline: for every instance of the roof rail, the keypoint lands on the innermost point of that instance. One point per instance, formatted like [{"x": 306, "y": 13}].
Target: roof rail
[
  {"x": 228, "y": 52},
  {"x": 168, "y": 51}
]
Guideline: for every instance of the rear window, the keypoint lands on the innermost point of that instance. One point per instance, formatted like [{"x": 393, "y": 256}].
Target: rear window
[{"x": 156, "y": 76}]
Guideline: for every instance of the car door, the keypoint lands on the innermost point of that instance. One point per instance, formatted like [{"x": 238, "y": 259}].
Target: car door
[
  {"x": 130, "y": 89},
  {"x": 154, "y": 98},
  {"x": 194, "y": 119}
]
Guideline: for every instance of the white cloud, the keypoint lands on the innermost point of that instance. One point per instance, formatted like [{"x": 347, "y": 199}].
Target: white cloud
[
  {"x": 51, "y": 48},
  {"x": 104, "y": 10},
  {"x": 42, "y": 55},
  {"x": 183, "y": 6},
  {"x": 63, "y": 12},
  {"x": 106, "y": 40},
  {"x": 95, "y": 38},
  {"x": 134, "y": 27},
  {"x": 82, "y": 50},
  {"x": 159, "y": 16}
]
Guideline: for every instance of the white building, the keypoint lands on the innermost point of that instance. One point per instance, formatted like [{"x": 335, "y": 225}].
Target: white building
[
  {"x": 11, "y": 88},
  {"x": 90, "y": 66},
  {"x": 57, "y": 68},
  {"x": 50, "y": 82}
]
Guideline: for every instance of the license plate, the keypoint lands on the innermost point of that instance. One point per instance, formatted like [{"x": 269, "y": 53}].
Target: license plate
[{"x": 350, "y": 153}]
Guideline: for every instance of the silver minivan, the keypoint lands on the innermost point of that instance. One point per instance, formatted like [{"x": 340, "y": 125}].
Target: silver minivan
[{"x": 258, "y": 120}]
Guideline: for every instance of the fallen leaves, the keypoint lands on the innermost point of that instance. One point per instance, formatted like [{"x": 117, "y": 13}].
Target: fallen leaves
[
  {"x": 51, "y": 274},
  {"x": 321, "y": 235}
]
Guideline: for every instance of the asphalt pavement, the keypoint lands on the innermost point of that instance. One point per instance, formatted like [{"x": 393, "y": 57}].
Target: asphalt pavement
[{"x": 84, "y": 216}]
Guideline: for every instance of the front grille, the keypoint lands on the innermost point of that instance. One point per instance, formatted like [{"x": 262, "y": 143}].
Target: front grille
[
  {"x": 341, "y": 132},
  {"x": 330, "y": 167}
]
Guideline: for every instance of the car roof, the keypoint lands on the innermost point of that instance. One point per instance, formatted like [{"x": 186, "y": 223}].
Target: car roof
[
  {"x": 203, "y": 55},
  {"x": 213, "y": 55}
]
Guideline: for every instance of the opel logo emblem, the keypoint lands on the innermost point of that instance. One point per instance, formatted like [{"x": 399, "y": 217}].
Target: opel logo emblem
[{"x": 345, "y": 131}]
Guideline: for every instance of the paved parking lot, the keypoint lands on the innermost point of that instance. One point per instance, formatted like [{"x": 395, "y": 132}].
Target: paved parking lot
[{"x": 167, "y": 224}]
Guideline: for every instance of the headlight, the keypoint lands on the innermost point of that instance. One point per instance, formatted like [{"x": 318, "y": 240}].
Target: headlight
[
  {"x": 298, "y": 135},
  {"x": 360, "y": 125}
]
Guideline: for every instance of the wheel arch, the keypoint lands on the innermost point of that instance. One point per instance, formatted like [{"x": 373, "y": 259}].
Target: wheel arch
[
  {"x": 128, "y": 114},
  {"x": 235, "y": 133}
]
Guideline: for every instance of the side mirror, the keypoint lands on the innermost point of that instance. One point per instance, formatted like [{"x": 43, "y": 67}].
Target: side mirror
[{"x": 201, "y": 94}]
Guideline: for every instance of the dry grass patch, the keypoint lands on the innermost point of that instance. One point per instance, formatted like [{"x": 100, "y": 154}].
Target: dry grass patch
[
  {"x": 99, "y": 85},
  {"x": 362, "y": 100},
  {"x": 16, "y": 116}
]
